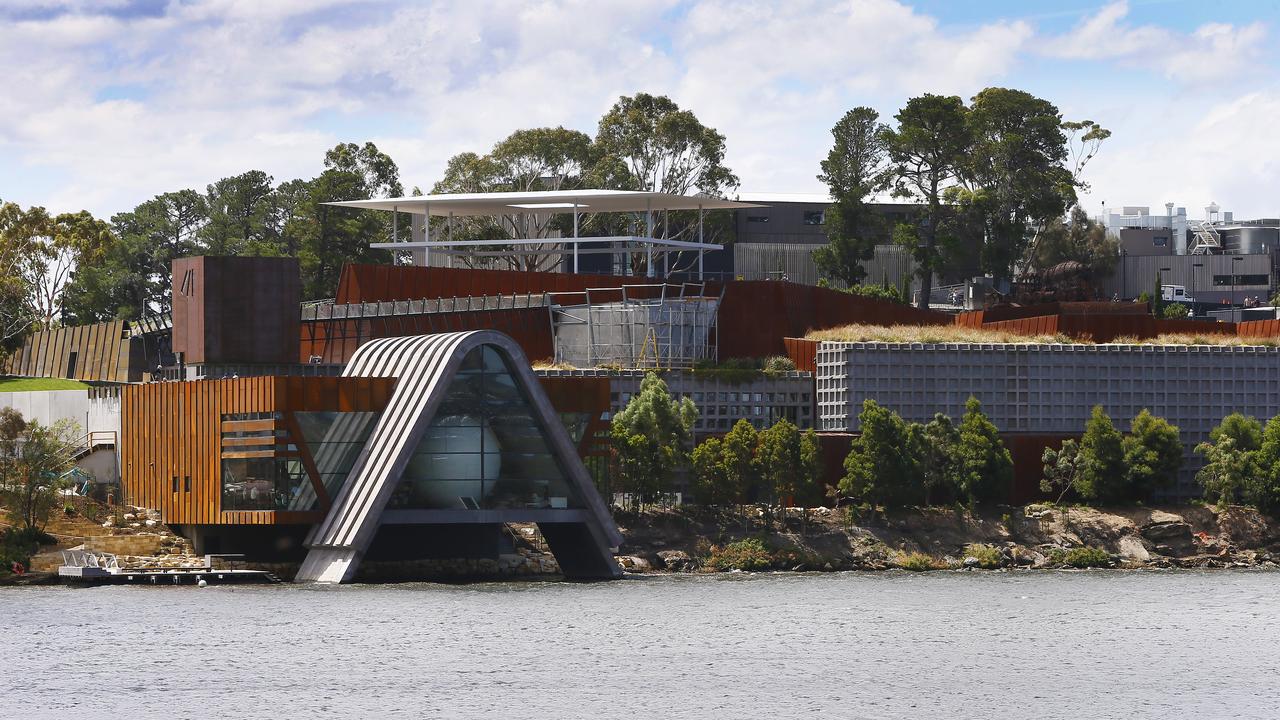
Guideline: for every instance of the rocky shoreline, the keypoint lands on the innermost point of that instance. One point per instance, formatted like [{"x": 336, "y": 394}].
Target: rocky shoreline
[
  {"x": 762, "y": 539},
  {"x": 1035, "y": 536}
]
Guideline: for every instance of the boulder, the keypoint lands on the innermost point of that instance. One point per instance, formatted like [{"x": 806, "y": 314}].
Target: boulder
[
  {"x": 1131, "y": 547},
  {"x": 632, "y": 563},
  {"x": 675, "y": 560},
  {"x": 1169, "y": 534}
]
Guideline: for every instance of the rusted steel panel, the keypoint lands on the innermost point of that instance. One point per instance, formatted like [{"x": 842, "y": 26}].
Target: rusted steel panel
[
  {"x": 236, "y": 309},
  {"x": 1257, "y": 328},
  {"x": 756, "y": 315},
  {"x": 804, "y": 353}
]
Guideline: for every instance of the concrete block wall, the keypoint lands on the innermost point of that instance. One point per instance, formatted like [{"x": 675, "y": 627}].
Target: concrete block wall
[{"x": 1053, "y": 388}]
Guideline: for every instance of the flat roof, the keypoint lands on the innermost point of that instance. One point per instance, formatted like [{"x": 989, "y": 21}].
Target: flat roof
[
  {"x": 508, "y": 203},
  {"x": 774, "y": 198}
]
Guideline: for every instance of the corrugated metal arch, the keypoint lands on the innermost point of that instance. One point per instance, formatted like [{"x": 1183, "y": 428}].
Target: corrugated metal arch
[{"x": 425, "y": 365}]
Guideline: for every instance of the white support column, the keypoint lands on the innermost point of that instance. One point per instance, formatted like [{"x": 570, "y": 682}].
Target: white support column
[
  {"x": 648, "y": 233},
  {"x": 700, "y": 241},
  {"x": 575, "y": 237},
  {"x": 395, "y": 223},
  {"x": 415, "y": 234},
  {"x": 426, "y": 229}
]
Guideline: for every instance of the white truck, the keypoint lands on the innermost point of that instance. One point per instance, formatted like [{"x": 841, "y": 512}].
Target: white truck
[{"x": 1175, "y": 293}]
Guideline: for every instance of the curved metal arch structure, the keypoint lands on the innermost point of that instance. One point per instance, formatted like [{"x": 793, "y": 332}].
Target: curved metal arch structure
[{"x": 582, "y": 539}]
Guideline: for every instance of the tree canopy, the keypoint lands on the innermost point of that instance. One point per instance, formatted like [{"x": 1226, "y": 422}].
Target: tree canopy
[
  {"x": 651, "y": 437},
  {"x": 928, "y": 153},
  {"x": 855, "y": 169}
]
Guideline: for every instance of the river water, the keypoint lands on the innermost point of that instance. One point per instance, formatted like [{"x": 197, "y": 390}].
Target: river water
[{"x": 1148, "y": 644}]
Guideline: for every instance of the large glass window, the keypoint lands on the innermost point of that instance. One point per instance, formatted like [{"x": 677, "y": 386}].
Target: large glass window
[
  {"x": 280, "y": 481},
  {"x": 484, "y": 448},
  {"x": 261, "y": 483},
  {"x": 335, "y": 440}
]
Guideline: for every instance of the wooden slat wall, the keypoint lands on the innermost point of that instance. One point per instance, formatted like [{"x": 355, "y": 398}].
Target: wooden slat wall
[{"x": 175, "y": 429}]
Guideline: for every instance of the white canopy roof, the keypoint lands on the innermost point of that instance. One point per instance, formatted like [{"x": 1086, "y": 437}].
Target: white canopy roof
[{"x": 508, "y": 203}]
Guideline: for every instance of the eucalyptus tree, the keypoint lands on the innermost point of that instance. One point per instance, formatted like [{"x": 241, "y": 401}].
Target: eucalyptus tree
[
  {"x": 1013, "y": 178},
  {"x": 647, "y": 142},
  {"x": 537, "y": 159}
]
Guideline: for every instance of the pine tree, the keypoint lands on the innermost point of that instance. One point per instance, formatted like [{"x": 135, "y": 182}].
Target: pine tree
[
  {"x": 986, "y": 468},
  {"x": 1100, "y": 463}
]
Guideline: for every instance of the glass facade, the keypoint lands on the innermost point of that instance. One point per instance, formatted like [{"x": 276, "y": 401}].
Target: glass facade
[
  {"x": 484, "y": 448},
  {"x": 334, "y": 439},
  {"x": 261, "y": 483}
]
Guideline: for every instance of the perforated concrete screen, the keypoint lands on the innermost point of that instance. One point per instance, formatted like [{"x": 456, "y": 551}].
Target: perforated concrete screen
[{"x": 1052, "y": 388}]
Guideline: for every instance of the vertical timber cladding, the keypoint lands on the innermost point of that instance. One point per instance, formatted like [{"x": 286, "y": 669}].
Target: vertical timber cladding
[
  {"x": 236, "y": 309},
  {"x": 173, "y": 431}
]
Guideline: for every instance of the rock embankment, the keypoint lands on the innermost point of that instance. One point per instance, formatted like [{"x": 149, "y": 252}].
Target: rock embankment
[{"x": 1035, "y": 536}]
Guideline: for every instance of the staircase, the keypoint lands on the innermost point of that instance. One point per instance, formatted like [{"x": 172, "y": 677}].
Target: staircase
[
  {"x": 1205, "y": 239},
  {"x": 78, "y": 450}
]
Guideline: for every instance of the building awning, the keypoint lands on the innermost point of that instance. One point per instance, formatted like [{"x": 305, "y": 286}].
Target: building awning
[{"x": 554, "y": 201}]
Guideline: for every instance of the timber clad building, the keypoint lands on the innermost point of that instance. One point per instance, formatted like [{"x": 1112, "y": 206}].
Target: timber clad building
[{"x": 406, "y": 415}]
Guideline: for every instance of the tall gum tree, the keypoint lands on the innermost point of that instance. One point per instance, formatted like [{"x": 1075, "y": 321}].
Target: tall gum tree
[{"x": 1013, "y": 179}]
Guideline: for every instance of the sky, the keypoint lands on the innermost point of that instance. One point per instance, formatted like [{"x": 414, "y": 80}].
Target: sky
[{"x": 108, "y": 103}]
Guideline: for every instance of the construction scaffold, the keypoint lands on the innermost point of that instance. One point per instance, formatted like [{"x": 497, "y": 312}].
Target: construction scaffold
[{"x": 635, "y": 326}]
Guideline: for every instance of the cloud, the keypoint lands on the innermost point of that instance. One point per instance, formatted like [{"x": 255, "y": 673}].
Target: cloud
[
  {"x": 1215, "y": 51},
  {"x": 774, "y": 77},
  {"x": 107, "y": 104},
  {"x": 1227, "y": 153}
]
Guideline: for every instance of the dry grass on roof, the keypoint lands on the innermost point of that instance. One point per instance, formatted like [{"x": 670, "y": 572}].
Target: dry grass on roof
[
  {"x": 956, "y": 334},
  {"x": 928, "y": 334}
]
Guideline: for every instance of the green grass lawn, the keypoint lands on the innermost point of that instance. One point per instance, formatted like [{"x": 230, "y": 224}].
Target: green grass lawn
[{"x": 20, "y": 384}]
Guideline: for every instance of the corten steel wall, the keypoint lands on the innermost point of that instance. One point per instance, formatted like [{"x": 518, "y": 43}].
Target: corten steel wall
[
  {"x": 335, "y": 341},
  {"x": 1195, "y": 327},
  {"x": 105, "y": 352},
  {"x": 174, "y": 429},
  {"x": 1040, "y": 325},
  {"x": 1258, "y": 328},
  {"x": 381, "y": 283},
  {"x": 581, "y": 394},
  {"x": 804, "y": 353},
  {"x": 1026, "y": 451},
  {"x": 236, "y": 309},
  {"x": 1106, "y": 328},
  {"x": 1051, "y": 389},
  {"x": 755, "y": 316}
]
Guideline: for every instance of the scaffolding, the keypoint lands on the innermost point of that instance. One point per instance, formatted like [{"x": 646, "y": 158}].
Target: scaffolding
[{"x": 635, "y": 326}]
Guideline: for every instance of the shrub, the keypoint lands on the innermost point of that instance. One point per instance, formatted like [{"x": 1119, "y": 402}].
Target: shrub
[
  {"x": 1081, "y": 557},
  {"x": 989, "y": 558},
  {"x": 748, "y": 555},
  {"x": 18, "y": 545},
  {"x": 777, "y": 364},
  {"x": 1174, "y": 311},
  {"x": 877, "y": 292},
  {"x": 916, "y": 562}
]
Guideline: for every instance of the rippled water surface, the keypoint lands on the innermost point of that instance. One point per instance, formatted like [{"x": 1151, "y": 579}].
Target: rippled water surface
[{"x": 954, "y": 645}]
